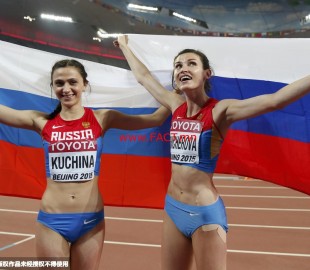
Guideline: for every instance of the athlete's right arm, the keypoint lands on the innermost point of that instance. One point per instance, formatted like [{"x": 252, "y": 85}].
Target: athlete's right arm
[
  {"x": 19, "y": 118},
  {"x": 144, "y": 77}
]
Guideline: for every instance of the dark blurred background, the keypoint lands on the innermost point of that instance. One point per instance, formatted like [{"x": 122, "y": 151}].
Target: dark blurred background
[{"x": 22, "y": 22}]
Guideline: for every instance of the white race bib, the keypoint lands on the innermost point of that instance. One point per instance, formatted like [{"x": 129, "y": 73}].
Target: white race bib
[
  {"x": 72, "y": 155},
  {"x": 72, "y": 166},
  {"x": 184, "y": 140}
]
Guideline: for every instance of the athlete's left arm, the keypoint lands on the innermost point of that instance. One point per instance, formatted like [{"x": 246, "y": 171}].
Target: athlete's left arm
[
  {"x": 242, "y": 109},
  {"x": 120, "y": 120}
]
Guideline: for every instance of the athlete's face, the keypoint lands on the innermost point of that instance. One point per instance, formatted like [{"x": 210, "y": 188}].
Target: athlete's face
[
  {"x": 188, "y": 72},
  {"x": 68, "y": 85}
]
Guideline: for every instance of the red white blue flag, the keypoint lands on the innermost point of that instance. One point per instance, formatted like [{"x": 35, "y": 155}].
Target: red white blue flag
[{"x": 136, "y": 166}]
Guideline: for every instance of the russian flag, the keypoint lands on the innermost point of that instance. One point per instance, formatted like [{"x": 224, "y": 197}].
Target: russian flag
[{"x": 136, "y": 167}]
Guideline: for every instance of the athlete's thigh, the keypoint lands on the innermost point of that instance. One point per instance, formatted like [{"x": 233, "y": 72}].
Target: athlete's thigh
[
  {"x": 210, "y": 248},
  {"x": 50, "y": 243},
  {"x": 177, "y": 252},
  {"x": 86, "y": 251}
]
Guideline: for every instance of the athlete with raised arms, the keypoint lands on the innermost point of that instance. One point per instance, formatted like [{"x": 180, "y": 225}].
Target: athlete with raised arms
[
  {"x": 195, "y": 223},
  {"x": 71, "y": 217}
]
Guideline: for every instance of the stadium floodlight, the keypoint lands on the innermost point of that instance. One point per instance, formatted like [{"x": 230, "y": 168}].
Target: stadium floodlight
[
  {"x": 143, "y": 8},
  {"x": 189, "y": 19},
  {"x": 29, "y": 18},
  {"x": 103, "y": 34},
  {"x": 56, "y": 18}
]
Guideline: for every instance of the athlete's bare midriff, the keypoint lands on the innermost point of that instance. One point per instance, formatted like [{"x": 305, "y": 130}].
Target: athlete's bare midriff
[
  {"x": 72, "y": 197},
  {"x": 191, "y": 186}
]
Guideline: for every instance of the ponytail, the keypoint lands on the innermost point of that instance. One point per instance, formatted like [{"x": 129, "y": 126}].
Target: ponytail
[{"x": 53, "y": 114}]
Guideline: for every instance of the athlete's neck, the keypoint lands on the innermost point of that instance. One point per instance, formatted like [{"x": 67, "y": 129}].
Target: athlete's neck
[
  {"x": 72, "y": 113},
  {"x": 194, "y": 106}
]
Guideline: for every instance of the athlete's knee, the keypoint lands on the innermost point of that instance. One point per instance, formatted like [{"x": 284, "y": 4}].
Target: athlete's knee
[{"x": 215, "y": 227}]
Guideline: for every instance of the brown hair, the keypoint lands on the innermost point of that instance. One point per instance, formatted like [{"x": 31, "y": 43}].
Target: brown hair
[
  {"x": 62, "y": 64},
  {"x": 205, "y": 63}
]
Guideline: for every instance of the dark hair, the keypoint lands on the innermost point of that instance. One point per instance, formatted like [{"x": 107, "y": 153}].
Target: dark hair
[
  {"x": 62, "y": 64},
  {"x": 205, "y": 63}
]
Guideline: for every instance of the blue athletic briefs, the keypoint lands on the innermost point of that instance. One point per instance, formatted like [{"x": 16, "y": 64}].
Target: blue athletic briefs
[
  {"x": 188, "y": 218},
  {"x": 70, "y": 225}
]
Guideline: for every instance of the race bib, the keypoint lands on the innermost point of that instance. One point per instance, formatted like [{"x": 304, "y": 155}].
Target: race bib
[
  {"x": 72, "y": 166},
  {"x": 72, "y": 155},
  {"x": 184, "y": 140}
]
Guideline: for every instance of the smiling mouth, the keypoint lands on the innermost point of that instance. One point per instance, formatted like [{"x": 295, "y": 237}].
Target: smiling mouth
[
  {"x": 68, "y": 96},
  {"x": 185, "y": 78}
]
